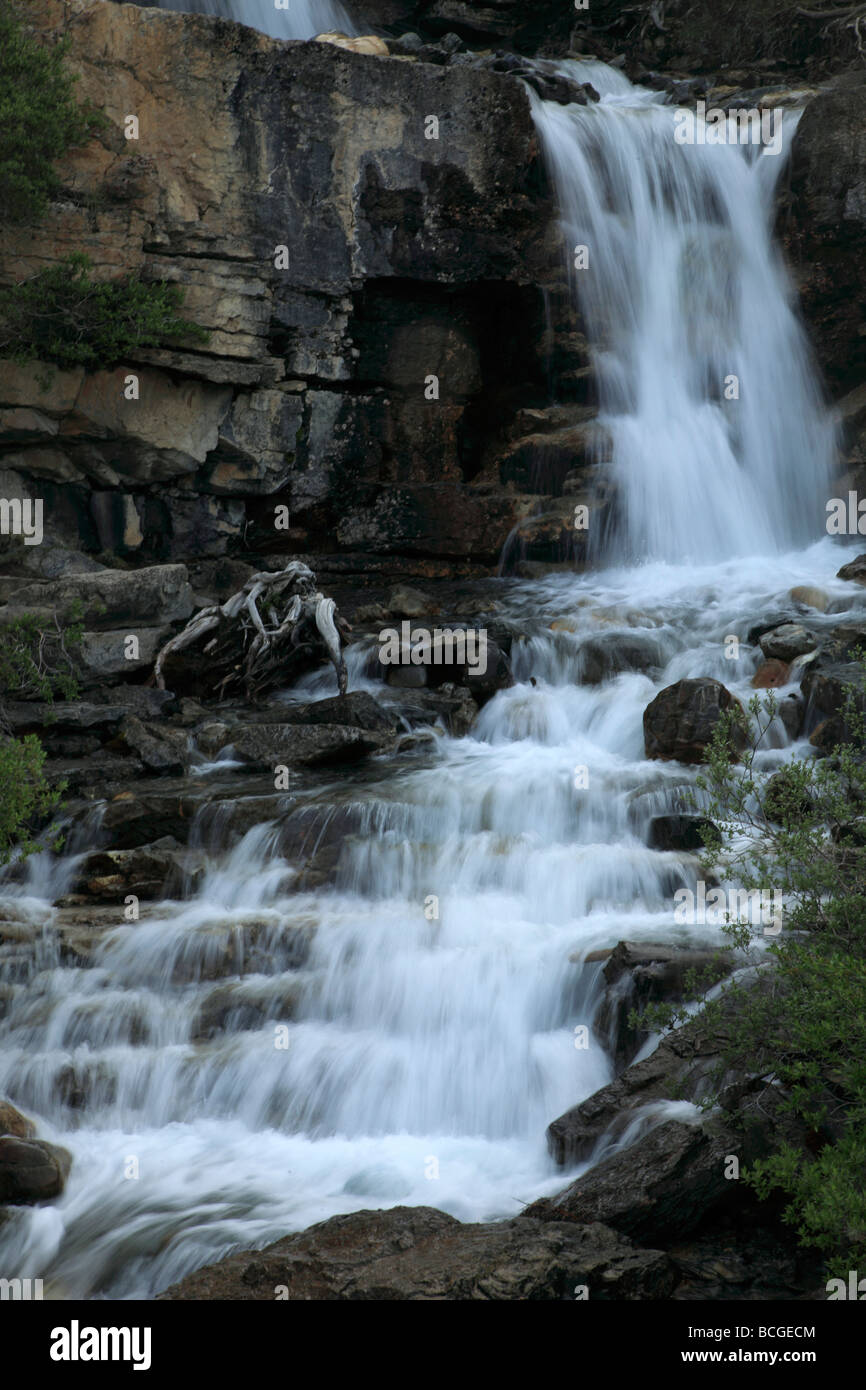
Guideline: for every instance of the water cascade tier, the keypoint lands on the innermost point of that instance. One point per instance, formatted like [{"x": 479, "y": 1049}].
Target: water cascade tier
[{"x": 250, "y": 1059}]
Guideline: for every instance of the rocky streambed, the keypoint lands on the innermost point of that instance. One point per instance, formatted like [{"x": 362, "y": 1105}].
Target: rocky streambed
[{"x": 352, "y": 972}]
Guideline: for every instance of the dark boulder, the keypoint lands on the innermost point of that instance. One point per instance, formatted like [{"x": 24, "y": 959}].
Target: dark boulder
[
  {"x": 679, "y": 723},
  {"x": 420, "y": 1254}
]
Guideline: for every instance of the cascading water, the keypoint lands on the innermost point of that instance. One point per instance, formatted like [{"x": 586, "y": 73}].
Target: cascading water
[
  {"x": 298, "y": 19},
  {"x": 718, "y": 444},
  {"x": 269, "y": 1058}
]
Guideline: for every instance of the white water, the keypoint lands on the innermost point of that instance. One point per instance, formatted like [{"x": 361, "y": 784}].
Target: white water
[
  {"x": 684, "y": 289},
  {"x": 302, "y": 19},
  {"x": 426, "y": 1058}
]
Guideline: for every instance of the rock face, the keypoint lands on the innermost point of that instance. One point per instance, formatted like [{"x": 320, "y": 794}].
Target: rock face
[
  {"x": 680, "y": 721},
  {"x": 543, "y": 25},
  {"x": 363, "y": 285},
  {"x": 637, "y": 974},
  {"x": 418, "y": 1253},
  {"x": 668, "y": 1183},
  {"x": 825, "y": 232}
]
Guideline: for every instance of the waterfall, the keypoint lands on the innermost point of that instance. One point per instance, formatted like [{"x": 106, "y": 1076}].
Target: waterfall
[
  {"x": 299, "y": 19},
  {"x": 715, "y": 434},
  {"x": 431, "y": 997}
]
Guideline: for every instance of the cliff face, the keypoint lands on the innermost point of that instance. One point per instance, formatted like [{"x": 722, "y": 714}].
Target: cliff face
[{"x": 340, "y": 260}]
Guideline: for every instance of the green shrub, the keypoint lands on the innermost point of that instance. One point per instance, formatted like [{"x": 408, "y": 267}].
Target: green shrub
[
  {"x": 801, "y": 835},
  {"x": 26, "y": 800},
  {"x": 39, "y": 119},
  {"x": 37, "y": 659},
  {"x": 63, "y": 316}
]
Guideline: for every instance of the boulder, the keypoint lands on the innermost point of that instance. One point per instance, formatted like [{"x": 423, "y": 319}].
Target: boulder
[
  {"x": 810, "y": 597},
  {"x": 420, "y": 1254},
  {"x": 855, "y": 570},
  {"x": 14, "y": 1123},
  {"x": 826, "y": 689},
  {"x": 109, "y": 875},
  {"x": 679, "y": 832},
  {"x": 663, "y": 1187},
  {"x": 771, "y": 674},
  {"x": 106, "y": 653},
  {"x": 787, "y": 642},
  {"x": 679, "y": 723},
  {"x": 265, "y": 746},
  {"x": 151, "y": 597},
  {"x": 358, "y": 709},
  {"x": 31, "y": 1170},
  {"x": 613, "y": 652}
]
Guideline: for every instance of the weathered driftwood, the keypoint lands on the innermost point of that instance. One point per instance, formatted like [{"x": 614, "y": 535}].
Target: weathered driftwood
[{"x": 275, "y": 628}]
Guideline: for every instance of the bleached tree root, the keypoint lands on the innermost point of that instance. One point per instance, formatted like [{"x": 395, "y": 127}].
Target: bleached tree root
[{"x": 267, "y": 634}]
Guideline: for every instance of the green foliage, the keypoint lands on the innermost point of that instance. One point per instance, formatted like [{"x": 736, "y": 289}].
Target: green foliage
[
  {"x": 63, "y": 316},
  {"x": 37, "y": 660},
  {"x": 39, "y": 119},
  {"x": 800, "y": 832},
  {"x": 26, "y": 800}
]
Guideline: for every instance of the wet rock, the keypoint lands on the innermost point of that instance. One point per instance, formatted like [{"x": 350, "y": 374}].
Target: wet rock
[
  {"x": 31, "y": 1170},
  {"x": 453, "y": 705},
  {"x": 679, "y": 723},
  {"x": 358, "y": 710},
  {"x": 844, "y": 644},
  {"x": 102, "y": 772},
  {"x": 420, "y": 1254},
  {"x": 84, "y": 1084},
  {"x": 787, "y": 642},
  {"x": 235, "y": 1008},
  {"x": 613, "y": 652},
  {"x": 855, "y": 570},
  {"x": 148, "y": 872},
  {"x": 446, "y": 660},
  {"x": 265, "y": 746},
  {"x": 406, "y": 602},
  {"x": 245, "y": 946},
  {"x": 771, "y": 674},
  {"x": 825, "y": 225},
  {"x": 791, "y": 714},
  {"x": 826, "y": 689},
  {"x": 135, "y": 818},
  {"x": 14, "y": 1123},
  {"x": 681, "y": 1068},
  {"x": 810, "y": 597},
  {"x": 663, "y": 1187},
  {"x": 160, "y": 747},
  {"x": 678, "y": 832},
  {"x": 638, "y": 974},
  {"x": 312, "y": 838}
]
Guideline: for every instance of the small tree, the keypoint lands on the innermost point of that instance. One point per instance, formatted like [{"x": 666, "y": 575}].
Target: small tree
[
  {"x": 39, "y": 118},
  {"x": 26, "y": 799},
  {"x": 61, "y": 315}
]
